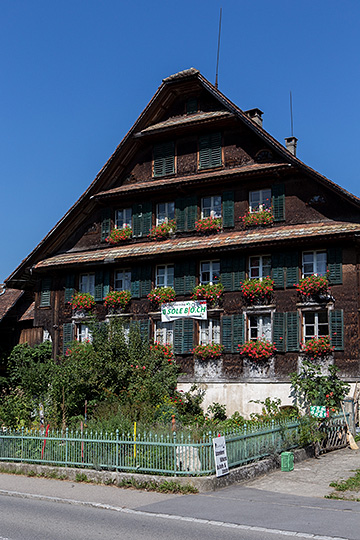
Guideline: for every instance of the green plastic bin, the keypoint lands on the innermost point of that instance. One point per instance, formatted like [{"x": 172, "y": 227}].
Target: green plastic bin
[{"x": 287, "y": 461}]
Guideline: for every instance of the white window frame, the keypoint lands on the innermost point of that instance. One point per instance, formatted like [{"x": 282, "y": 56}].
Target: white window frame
[
  {"x": 87, "y": 283},
  {"x": 83, "y": 334},
  {"x": 316, "y": 263},
  {"x": 123, "y": 218},
  {"x": 261, "y": 325},
  {"x": 209, "y": 331},
  {"x": 166, "y": 214},
  {"x": 262, "y": 202},
  {"x": 213, "y": 209},
  {"x": 164, "y": 332},
  {"x": 122, "y": 275},
  {"x": 261, "y": 267},
  {"x": 213, "y": 271},
  {"x": 320, "y": 328},
  {"x": 167, "y": 278}
]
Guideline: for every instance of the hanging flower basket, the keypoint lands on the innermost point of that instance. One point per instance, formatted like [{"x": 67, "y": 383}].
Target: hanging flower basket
[
  {"x": 83, "y": 301},
  {"x": 119, "y": 235},
  {"x": 317, "y": 348},
  {"x": 161, "y": 295},
  {"x": 257, "y": 219},
  {"x": 208, "y": 225},
  {"x": 259, "y": 351},
  {"x": 117, "y": 300},
  {"x": 257, "y": 290},
  {"x": 209, "y": 351},
  {"x": 210, "y": 293},
  {"x": 162, "y": 231},
  {"x": 313, "y": 286}
]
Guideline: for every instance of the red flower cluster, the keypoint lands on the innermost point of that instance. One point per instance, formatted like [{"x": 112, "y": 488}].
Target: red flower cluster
[
  {"x": 163, "y": 230},
  {"x": 210, "y": 350},
  {"x": 208, "y": 225},
  {"x": 257, "y": 219},
  {"x": 317, "y": 347},
  {"x": 255, "y": 289},
  {"x": 312, "y": 285},
  {"x": 210, "y": 293},
  {"x": 259, "y": 350},
  {"x": 161, "y": 295},
  {"x": 164, "y": 350},
  {"x": 119, "y": 235},
  {"x": 117, "y": 299},
  {"x": 83, "y": 301}
]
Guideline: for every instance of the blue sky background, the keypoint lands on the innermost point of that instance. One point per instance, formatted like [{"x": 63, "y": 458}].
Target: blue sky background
[{"x": 75, "y": 75}]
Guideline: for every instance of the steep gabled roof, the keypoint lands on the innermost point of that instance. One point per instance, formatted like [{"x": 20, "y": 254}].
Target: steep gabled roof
[
  {"x": 151, "y": 119},
  {"x": 8, "y": 299}
]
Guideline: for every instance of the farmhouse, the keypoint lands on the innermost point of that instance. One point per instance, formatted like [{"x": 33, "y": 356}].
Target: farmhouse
[{"x": 200, "y": 208}]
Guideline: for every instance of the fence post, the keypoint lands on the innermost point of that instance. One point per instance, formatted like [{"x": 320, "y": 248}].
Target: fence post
[
  {"x": 117, "y": 450},
  {"x": 66, "y": 446},
  {"x": 22, "y": 443},
  {"x": 174, "y": 448}
]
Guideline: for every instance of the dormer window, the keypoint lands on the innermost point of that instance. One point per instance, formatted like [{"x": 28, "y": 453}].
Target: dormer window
[
  {"x": 164, "y": 159},
  {"x": 260, "y": 200}
]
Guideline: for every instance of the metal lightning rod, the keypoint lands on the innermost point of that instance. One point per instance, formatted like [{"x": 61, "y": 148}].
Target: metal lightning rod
[{"x": 218, "y": 51}]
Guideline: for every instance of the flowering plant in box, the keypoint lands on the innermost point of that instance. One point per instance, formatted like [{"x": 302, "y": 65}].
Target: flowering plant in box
[
  {"x": 161, "y": 295},
  {"x": 208, "y": 351},
  {"x": 83, "y": 301},
  {"x": 117, "y": 299},
  {"x": 208, "y": 225},
  {"x": 163, "y": 230},
  {"x": 119, "y": 235},
  {"x": 317, "y": 347},
  {"x": 257, "y": 289},
  {"x": 210, "y": 293},
  {"x": 259, "y": 350},
  {"x": 258, "y": 219},
  {"x": 162, "y": 350},
  {"x": 313, "y": 285}
]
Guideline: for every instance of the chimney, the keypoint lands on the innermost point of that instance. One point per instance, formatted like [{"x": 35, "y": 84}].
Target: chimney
[
  {"x": 290, "y": 143},
  {"x": 255, "y": 115}
]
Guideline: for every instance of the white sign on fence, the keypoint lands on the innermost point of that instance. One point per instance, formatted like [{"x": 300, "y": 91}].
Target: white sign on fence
[
  {"x": 221, "y": 461},
  {"x": 194, "y": 309}
]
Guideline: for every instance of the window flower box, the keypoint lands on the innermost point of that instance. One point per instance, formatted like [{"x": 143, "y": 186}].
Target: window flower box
[
  {"x": 210, "y": 293},
  {"x": 314, "y": 287},
  {"x": 317, "y": 348},
  {"x": 262, "y": 218},
  {"x": 119, "y": 235},
  {"x": 258, "y": 351},
  {"x": 208, "y": 351},
  {"x": 82, "y": 303},
  {"x": 161, "y": 295},
  {"x": 162, "y": 231},
  {"x": 117, "y": 300},
  {"x": 257, "y": 290},
  {"x": 208, "y": 225}
]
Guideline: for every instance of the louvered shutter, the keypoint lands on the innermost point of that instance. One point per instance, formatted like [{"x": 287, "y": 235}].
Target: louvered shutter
[
  {"x": 183, "y": 336},
  {"x": 292, "y": 268},
  {"x": 144, "y": 326},
  {"x": 232, "y": 270},
  {"x": 145, "y": 280},
  {"x": 67, "y": 335},
  {"x": 69, "y": 288},
  {"x": 164, "y": 159},
  {"x": 191, "y": 213},
  {"x": 136, "y": 219},
  {"x": 135, "y": 281},
  {"x": 277, "y": 270},
  {"x": 142, "y": 219},
  {"x": 105, "y": 223},
  {"x": 292, "y": 331},
  {"x": 232, "y": 331},
  {"x": 337, "y": 329},
  {"x": 99, "y": 286},
  {"x": 279, "y": 331},
  {"x": 228, "y": 209},
  {"x": 45, "y": 293},
  {"x": 191, "y": 106},
  {"x": 180, "y": 205},
  {"x": 185, "y": 277},
  {"x": 226, "y": 333},
  {"x": 334, "y": 257},
  {"x": 238, "y": 331},
  {"x": 210, "y": 151},
  {"x": 278, "y": 201},
  {"x": 106, "y": 283}
]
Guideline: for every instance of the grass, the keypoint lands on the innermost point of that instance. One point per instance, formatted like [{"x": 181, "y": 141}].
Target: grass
[{"x": 352, "y": 484}]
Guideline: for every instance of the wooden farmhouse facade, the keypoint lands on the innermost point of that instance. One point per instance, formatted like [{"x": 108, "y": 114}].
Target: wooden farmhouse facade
[{"x": 198, "y": 193}]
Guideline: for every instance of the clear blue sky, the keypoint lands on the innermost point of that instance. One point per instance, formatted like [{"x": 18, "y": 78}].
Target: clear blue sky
[{"x": 76, "y": 75}]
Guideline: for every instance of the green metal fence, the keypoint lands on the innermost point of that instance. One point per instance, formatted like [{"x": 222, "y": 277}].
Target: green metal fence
[{"x": 174, "y": 454}]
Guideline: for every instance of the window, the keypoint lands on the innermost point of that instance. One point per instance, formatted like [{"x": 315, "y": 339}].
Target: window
[
  {"x": 259, "y": 267},
  {"x": 192, "y": 106},
  {"x": 165, "y": 212},
  {"x": 87, "y": 283},
  {"x": 165, "y": 275},
  {"x": 83, "y": 333},
  {"x": 123, "y": 218},
  {"x": 211, "y": 207},
  {"x": 122, "y": 280},
  {"x": 259, "y": 326},
  {"x": 210, "y": 151},
  {"x": 314, "y": 262},
  {"x": 164, "y": 159},
  {"x": 164, "y": 332},
  {"x": 315, "y": 324},
  {"x": 209, "y": 331},
  {"x": 209, "y": 272},
  {"x": 260, "y": 200}
]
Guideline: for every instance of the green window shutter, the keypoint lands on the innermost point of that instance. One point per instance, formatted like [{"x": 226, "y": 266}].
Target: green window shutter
[
  {"x": 277, "y": 270},
  {"x": 145, "y": 280},
  {"x": 279, "y": 331},
  {"x": 278, "y": 201},
  {"x": 136, "y": 219},
  {"x": 135, "y": 281},
  {"x": 185, "y": 277},
  {"x": 45, "y": 293},
  {"x": 292, "y": 268},
  {"x": 238, "y": 331},
  {"x": 232, "y": 332},
  {"x": 183, "y": 336},
  {"x": 191, "y": 213},
  {"x": 164, "y": 159},
  {"x": 142, "y": 219},
  {"x": 67, "y": 335},
  {"x": 334, "y": 257},
  {"x": 210, "y": 151},
  {"x": 144, "y": 326},
  {"x": 69, "y": 288},
  {"x": 99, "y": 286},
  {"x": 180, "y": 205},
  {"x": 191, "y": 106},
  {"x": 292, "y": 331},
  {"x": 106, "y": 284},
  {"x": 228, "y": 209},
  {"x": 337, "y": 329},
  {"x": 232, "y": 270},
  {"x": 105, "y": 223}
]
